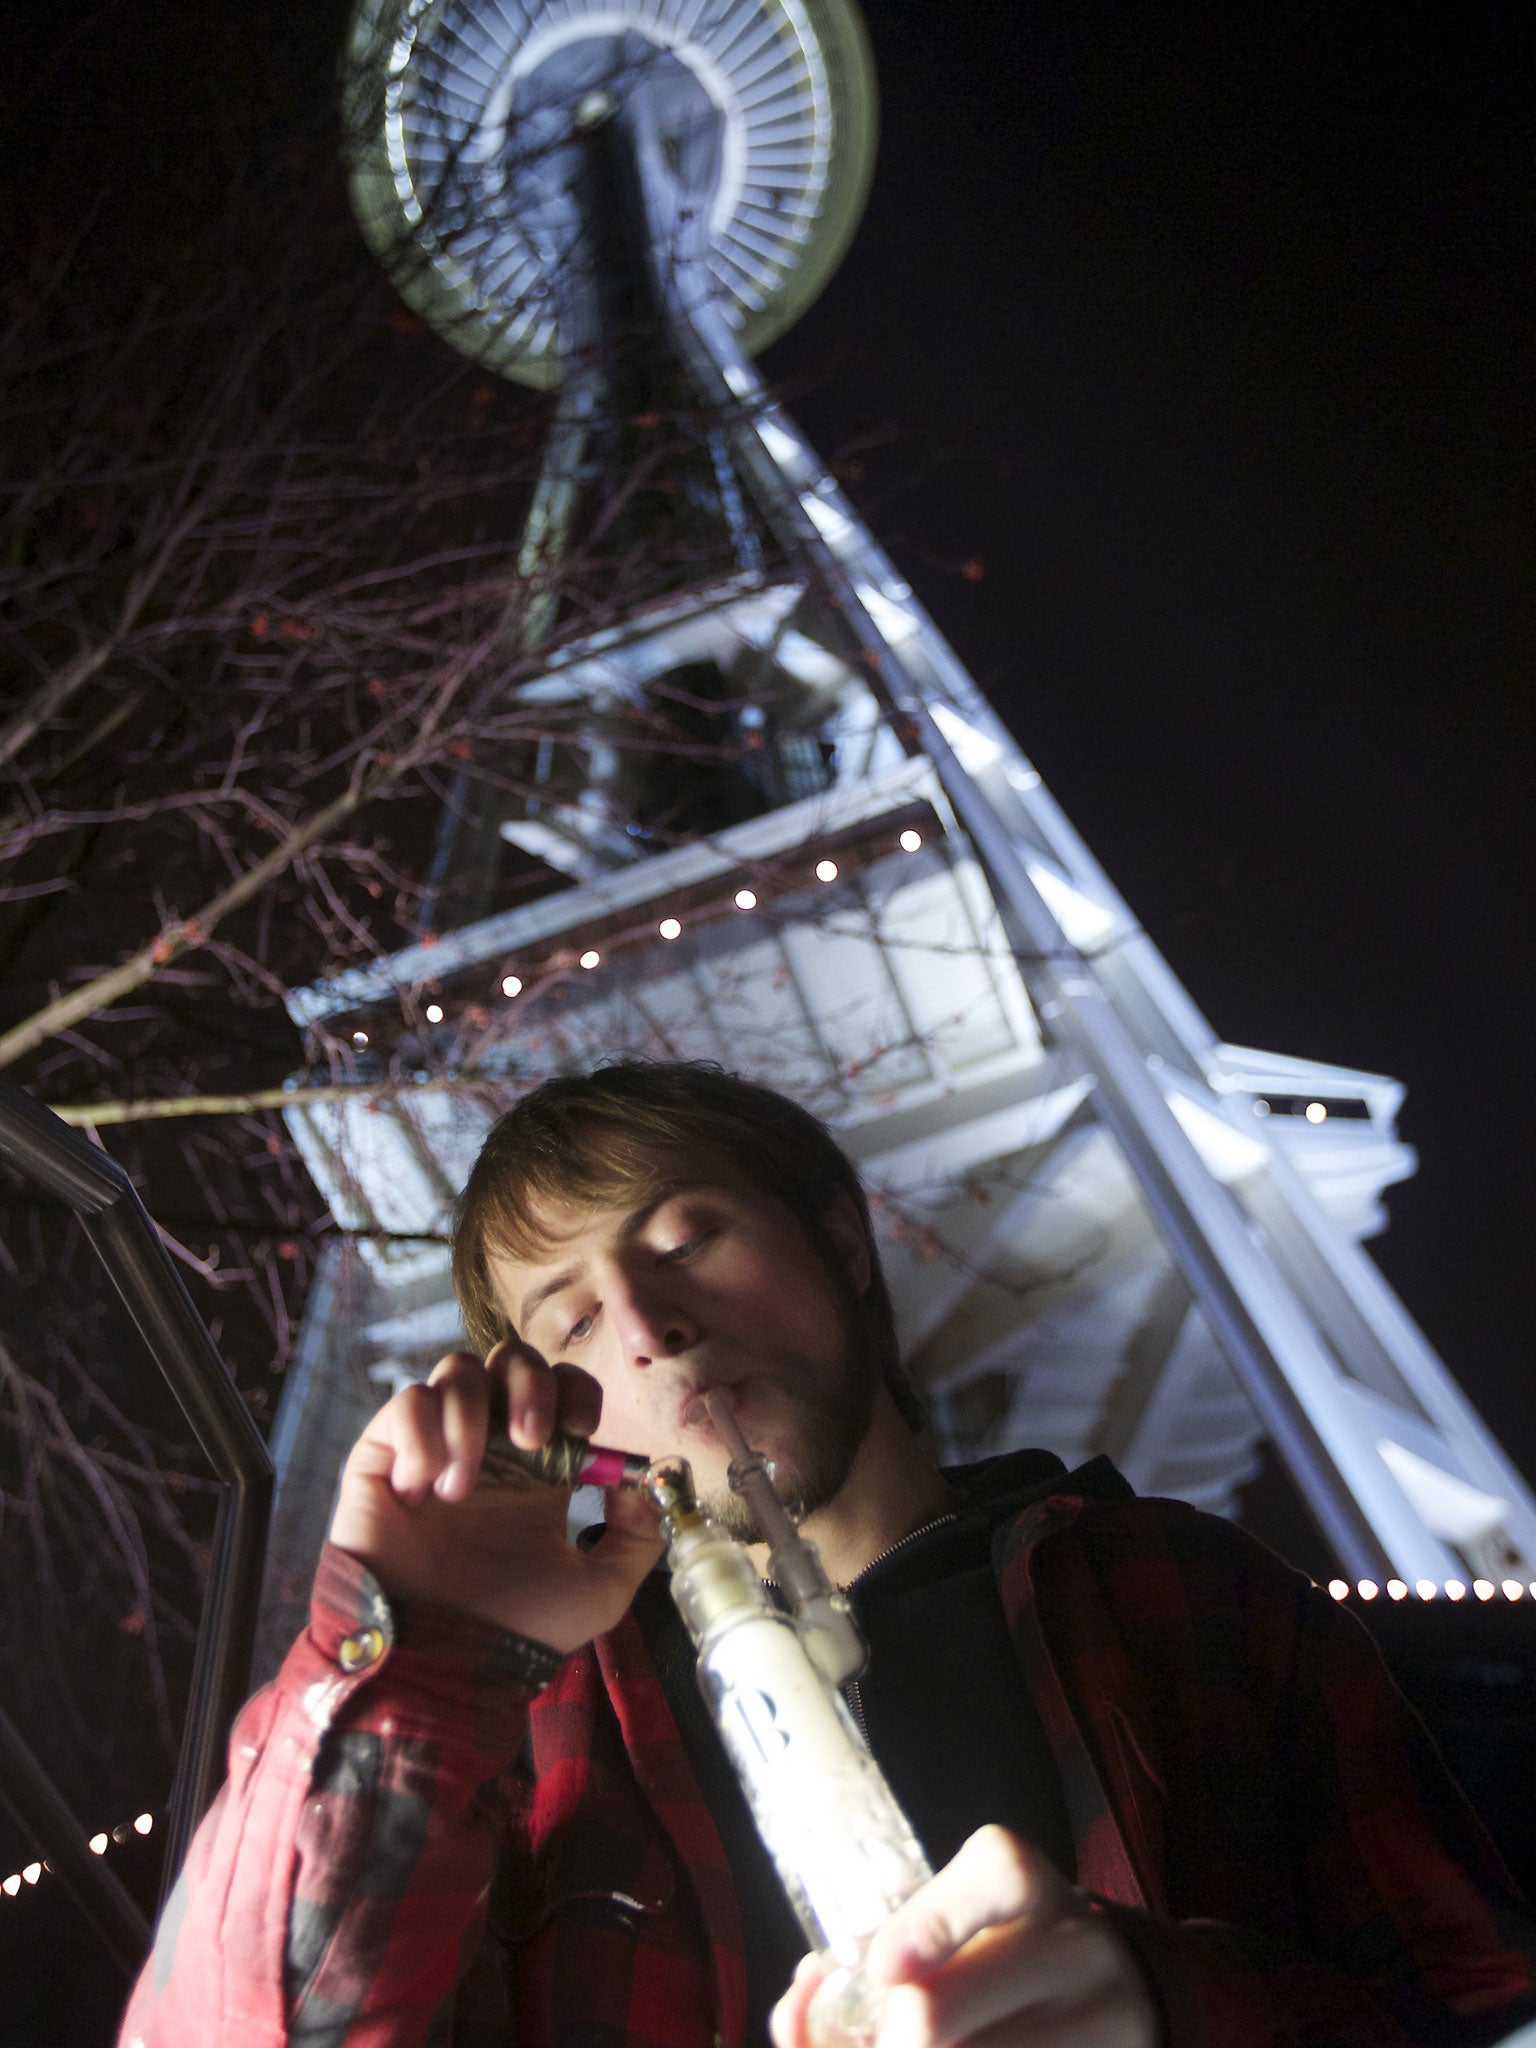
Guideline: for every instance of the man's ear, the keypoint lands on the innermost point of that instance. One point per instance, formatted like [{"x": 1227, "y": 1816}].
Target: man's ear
[{"x": 850, "y": 1240}]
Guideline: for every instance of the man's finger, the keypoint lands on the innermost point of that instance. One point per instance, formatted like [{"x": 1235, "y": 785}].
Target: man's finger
[
  {"x": 786, "y": 2023},
  {"x": 630, "y": 1543},
  {"x": 1109, "y": 2021},
  {"x": 579, "y": 1400},
  {"x": 411, "y": 1425},
  {"x": 1029, "y": 1973},
  {"x": 993, "y": 1878},
  {"x": 465, "y": 1410}
]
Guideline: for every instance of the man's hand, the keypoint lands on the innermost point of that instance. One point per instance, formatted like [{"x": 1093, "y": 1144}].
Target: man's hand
[
  {"x": 997, "y": 1950},
  {"x": 410, "y": 1511}
]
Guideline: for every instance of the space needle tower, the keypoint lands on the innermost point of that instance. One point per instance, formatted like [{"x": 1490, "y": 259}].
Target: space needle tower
[{"x": 1106, "y": 1229}]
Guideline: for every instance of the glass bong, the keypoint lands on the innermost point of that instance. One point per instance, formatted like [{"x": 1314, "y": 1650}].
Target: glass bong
[{"x": 844, "y": 1851}]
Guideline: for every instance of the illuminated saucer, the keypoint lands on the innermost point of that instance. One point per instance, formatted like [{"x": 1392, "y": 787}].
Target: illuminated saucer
[{"x": 457, "y": 111}]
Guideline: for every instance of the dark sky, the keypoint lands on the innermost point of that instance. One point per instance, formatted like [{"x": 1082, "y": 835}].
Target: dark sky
[
  {"x": 1206, "y": 329},
  {"x": 1220, "y": 319}
]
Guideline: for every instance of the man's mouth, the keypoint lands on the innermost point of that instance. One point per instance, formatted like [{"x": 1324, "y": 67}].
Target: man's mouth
[{"x": 692, "y": 1414}]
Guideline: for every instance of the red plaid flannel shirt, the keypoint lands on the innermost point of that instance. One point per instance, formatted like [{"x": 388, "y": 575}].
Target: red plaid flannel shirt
[{"x": 418, "y": 1852}]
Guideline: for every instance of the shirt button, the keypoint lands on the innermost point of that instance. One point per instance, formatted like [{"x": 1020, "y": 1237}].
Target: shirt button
[{"x": 363, "y": 1647}]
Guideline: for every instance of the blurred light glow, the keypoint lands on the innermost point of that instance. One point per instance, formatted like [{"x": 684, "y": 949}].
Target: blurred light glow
[
  {"x": 832, "y": 525},
  {"x": 434, "y": 1013},
  {"x": 1483, "y": 1588},
  {"x": 1396, "y": 1590},
  {"x": 98, "y": 1845},
  {"x": 910, "y": 840},
  {"x": 1316, "y": 1113},
  {"x": 513, "y": 986},
  {"x": 826, "y": 871},
  {"x": 1455, "y": 1590},
  {"x": 590, "y": 959},
  {"x": 1513, "y": 1590},
  {"x": 144, "y": 1823},
  {"x": 12, "y": 1884},
  {"x": 33, "y": 1872},
  {"x": 1339, "y": 1589},
  {"x": 359, "y": 1038},
  {"x": 1426, "y": 1589},
  {"x": 670, "y": 928},
  {"x": 1368, "y": 1589},
  {"x": 745, "y": 900}
]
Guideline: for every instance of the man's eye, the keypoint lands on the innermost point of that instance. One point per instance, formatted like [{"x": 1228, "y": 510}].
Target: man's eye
[
  {"x": 580, "y": 1328},
  {"x": 680, "y": 1252}
]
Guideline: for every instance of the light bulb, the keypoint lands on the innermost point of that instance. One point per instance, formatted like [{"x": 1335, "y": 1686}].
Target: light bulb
[
  {"x": 910, "y": 840},
  {"x": 745, "y": 900},
  {"x": 512, "y": 986},
  {"x": 826, "y": 871},
  {"x": 670, "y": 928},
  {"x": 590, "y": 959},
  {"x": 434, "y": 1013}
]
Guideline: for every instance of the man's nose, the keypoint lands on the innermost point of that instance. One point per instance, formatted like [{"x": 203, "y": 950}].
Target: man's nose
[{"x": 652, "y": 1324}]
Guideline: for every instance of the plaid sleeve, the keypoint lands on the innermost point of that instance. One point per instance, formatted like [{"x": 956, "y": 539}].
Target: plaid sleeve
[
  {"x": 336, "y": 1889},
  {"x": 1411, "y": 1931}
]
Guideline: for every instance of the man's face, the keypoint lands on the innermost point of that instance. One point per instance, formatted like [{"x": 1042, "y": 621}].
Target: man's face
[{"x": 714, "y": 1284}]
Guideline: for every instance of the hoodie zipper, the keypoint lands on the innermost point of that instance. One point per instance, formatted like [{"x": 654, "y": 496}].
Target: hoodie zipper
[{"x": 851, "y": 1692}]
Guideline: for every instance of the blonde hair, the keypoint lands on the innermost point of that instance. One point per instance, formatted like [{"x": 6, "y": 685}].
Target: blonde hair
[{"x": 618, "y": 1135}]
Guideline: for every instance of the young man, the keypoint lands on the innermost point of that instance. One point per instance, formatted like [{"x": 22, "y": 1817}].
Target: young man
[{"x": 1168, "y": 1789}]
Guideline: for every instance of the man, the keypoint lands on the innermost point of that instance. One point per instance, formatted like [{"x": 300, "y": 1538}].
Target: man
[{"x": 1174, "y": 1797}]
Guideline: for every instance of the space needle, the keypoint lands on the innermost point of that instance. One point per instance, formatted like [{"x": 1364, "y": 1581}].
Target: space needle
[{"x": 1108, "y": 1229}]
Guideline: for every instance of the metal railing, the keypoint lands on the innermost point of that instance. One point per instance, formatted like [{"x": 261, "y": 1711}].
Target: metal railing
[{"x": 65, "y": 1165}]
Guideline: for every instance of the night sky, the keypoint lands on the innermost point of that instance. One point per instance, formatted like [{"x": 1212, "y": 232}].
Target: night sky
[{"x": 1204, "y": 331}]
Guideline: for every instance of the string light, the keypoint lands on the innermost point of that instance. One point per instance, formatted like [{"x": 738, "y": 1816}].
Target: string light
[
  {"x": 434, "y": 1013},
  {"x": 826, "y": 871},
  {"x": 1429, "y": 1589},
  {"x": 1316, "y": 1113},
  {"x": 31, "y": 1873},
  {"x": 590, "y": 959},
  {"x": 910, "y": 840},
  {"x": 513, "y": 987},
  {"x": 670, "y": 928},
  {"x": 745, "y": 900}
]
